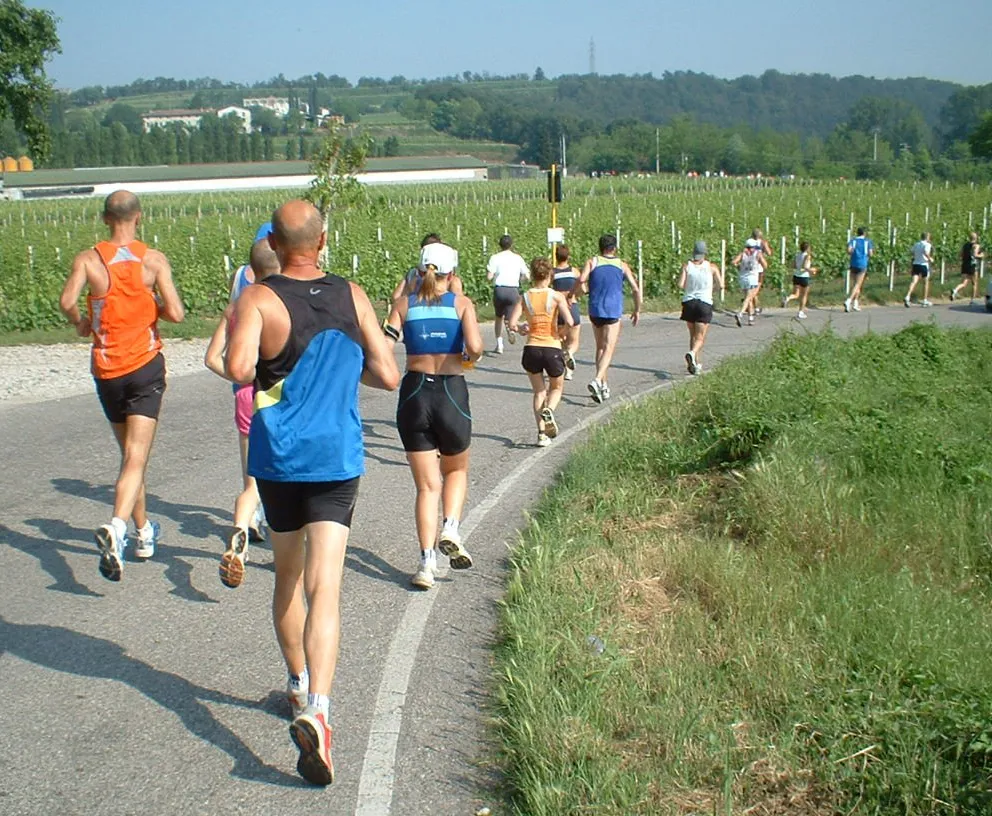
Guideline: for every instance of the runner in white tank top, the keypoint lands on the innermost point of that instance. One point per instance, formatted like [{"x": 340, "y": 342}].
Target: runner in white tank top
[
  {"x": 696, "y": 282},
  {"x": 801, "y": 277}
]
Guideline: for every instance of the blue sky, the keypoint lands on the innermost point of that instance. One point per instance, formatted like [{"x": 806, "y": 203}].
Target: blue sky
[{"x": 106, "y": 42}]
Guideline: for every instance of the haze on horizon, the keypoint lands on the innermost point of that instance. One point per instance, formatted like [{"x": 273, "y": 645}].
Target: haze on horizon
[{"x": 245, "y": 41}]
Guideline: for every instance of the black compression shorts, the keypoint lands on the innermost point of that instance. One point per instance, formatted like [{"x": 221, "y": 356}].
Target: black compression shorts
[
  {"x": 138, "y": 393},
  {"x": 433, "y": 413},
  {"x": 543, "y": 359},
  {"x": 290, "y": 506},
  {"x": 504, "y": 299},
  {"x": 696, "y": 311}
]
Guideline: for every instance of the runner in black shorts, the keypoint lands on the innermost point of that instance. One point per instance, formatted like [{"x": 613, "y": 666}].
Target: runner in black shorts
[
  {"x": 433, "y": 416},
  {"x": 505, "y": 269},
  {"x": 293, "y": 505},
  {"x": 971, "y": 261},
  {"x": 136, "y": 394}
]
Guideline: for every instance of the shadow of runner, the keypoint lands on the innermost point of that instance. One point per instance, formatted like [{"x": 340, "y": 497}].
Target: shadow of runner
[
  {"x": 371, "y": 565},
  {"x": 177, "y": 571},
  {"x": 194, "y": 521},
  {"x": 63, "y": 650},
  {"x": 51, "y": 559}
]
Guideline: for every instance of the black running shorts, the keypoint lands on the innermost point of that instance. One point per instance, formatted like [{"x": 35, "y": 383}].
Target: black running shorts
[
  {"x": 290, "y": 506},
  {"x": 504, "y": 299},
  {"x": 433, "y": 413},
  {"x": 543, "y": 360},
  {"x": 599, "y": 322},
  {"x": 799, "y": 280},
  {"x": 695, "y": 311},
  {"x": 576, "y": 315},
  {"x": 921, "y": 271},
  {"x": 136, "y": 394}
]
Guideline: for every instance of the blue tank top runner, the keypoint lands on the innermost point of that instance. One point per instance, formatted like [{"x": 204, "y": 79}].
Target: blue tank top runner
[
  {"x": 606, "y": 289},
  {"x": 433, "y": 328}
]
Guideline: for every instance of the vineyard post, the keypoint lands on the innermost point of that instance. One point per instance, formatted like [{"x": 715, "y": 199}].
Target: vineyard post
[
  {"x": 783, "y": 250},
  {"x": 943, "y": 264},
  {"x": 723, "y": 267}
]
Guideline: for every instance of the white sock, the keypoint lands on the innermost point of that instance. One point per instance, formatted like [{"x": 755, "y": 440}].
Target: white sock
[
  {"x": 301, "y": 682},
  {"x": 450, "y": 524},
  {"x": 321, "y": 702},
  {"x": 120, "y": 526},
  {"x": 428, "y": 556},
  {"x": 146, "y": 531}
]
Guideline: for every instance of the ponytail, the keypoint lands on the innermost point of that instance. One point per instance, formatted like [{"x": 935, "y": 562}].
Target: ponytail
[{"x": 430, "y": 287}]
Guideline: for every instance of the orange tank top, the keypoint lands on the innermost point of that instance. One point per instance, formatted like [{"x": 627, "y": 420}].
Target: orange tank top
[
  {"x": 542, "y": 315},
  {"x": 125, "y": 320}
]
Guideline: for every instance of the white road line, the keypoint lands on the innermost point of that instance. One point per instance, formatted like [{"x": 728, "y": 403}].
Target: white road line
[{"x": 375, "y": 787}]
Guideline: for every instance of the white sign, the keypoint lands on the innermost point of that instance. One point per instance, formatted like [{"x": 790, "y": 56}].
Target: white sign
[{"x": 556, "y": 235}]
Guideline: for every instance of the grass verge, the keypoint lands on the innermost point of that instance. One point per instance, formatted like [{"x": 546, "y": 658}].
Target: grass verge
[{"x": 767, "y": 592}]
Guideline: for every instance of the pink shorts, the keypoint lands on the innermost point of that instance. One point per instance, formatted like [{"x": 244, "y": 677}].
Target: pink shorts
[{"x": 244, "y": 405}]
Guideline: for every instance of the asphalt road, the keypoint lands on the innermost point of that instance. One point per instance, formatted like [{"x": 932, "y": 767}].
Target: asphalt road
[{"x": 164, "y": 693}]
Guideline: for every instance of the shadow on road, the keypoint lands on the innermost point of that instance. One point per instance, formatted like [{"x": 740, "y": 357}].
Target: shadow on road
[
  {"x": 63, "y": 650},
  {"x": 51, "y": 559},
  {"x": 373, "y": 566}
]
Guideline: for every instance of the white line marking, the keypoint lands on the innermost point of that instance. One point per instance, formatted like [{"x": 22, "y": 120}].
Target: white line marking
[{"x": 375, "y": 787}]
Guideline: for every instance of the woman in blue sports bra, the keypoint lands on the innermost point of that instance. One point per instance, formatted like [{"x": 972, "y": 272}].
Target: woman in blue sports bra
[{"x": 433, "y": 414}]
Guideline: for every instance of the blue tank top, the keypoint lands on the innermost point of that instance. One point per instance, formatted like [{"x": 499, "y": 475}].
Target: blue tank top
[
  {"x": 433, "y": 328},
  {"x": 565, "y": 279},
  {"x": 306, "y": 426},
  {"x": 606, "y": 289}
]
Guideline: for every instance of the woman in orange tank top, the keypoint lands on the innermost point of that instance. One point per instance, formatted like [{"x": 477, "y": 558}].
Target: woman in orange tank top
[{"x": 542, "y": 353}]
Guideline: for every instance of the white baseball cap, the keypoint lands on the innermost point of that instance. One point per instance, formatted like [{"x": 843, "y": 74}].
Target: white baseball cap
[{"x": 441, "y": 256}]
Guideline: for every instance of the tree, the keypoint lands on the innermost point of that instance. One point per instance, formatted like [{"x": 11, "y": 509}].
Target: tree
[
  {"x": 126, "y": 115},
  {"x": 980, "y": 139},
  {"x": 539, "y": 74},
  {"x": 27, "y": 40}
]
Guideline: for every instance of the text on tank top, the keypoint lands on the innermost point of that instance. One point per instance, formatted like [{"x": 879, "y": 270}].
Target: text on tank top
[
  {"x": 542, "y": 317},
  {"x": 433, "y": 328},
  {"x": 125, "y": 320},
  {"x": 698, "y": 282},
  {"x": 306, "y": 426}
]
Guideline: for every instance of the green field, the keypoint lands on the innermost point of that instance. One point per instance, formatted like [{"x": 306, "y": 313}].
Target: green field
[
  {"x": 765, "y": 593},
  {"x": 206, "y": 234}
]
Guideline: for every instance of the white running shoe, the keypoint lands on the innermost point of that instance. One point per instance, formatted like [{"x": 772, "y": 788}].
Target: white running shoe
[
  {"x": 596, "y": 390},
  {"x": 450, "y": 544},
  {"x": 690, "y": 362},
  {"x": 569, "y": 373},
  {"x": 750, "y": 320},
  {"x": 232, "y": 562},
  {"x": 111, "y": 552},
  {"x": 605, "y": 390},
  {"x": 569, "y": 360},
  {"x": 145, "y": 548},
  {"x": 905, "y": 301},
  {"x": 847, "y": 305},
  {"x": 802, "y": 315},
  {"x": 543, "y": 440},
  {"x": 926, "y": 303},
  {"x": 855, "y": 305},
  {"x": 499, "y": 345},
  {"x": 423, "y": 578},
  {"x": 511, "y": 336},
  {"x": 785, "y": 301},
  {"x": 550, "y": 424},
  {"x": 954, "y": 295},
  {"x": 738, "y": 318}
]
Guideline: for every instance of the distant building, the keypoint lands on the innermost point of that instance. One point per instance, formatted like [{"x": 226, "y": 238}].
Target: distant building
[
  {"x": 165, "y": 118},
  {"x": 277, "y": 104},
  {"x": 242, "y": 113}
]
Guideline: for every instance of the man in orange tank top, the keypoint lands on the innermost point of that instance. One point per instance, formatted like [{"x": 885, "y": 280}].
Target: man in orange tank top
[{"x": 129, "y": 287}]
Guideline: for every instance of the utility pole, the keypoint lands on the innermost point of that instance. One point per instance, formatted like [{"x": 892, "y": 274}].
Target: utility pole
[
  {"x": 874, "y": 154},
  {"x": 657, "y": 151},
  {"x": 564, "y": 164}
]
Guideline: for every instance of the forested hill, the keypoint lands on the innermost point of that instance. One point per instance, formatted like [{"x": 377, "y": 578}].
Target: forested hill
[{"x": 808, "y": 104}]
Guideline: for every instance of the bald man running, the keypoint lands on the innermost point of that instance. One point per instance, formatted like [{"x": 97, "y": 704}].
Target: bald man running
[
  {"x": 306, "y": 340},
  {"x": 129, "y": 288}
]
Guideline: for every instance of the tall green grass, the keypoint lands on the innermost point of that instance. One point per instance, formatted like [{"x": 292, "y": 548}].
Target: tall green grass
[{"x": 767, "y": 590}]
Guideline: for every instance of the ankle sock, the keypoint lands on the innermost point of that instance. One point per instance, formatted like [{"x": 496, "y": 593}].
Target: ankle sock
[
  {"x": 321, "y": 702},
  {"x": 146, "y": 531},
  {"x": 301, "y": 681},
  {"x": 428, "y": 556},
  {"x": 120, "y": 527}
]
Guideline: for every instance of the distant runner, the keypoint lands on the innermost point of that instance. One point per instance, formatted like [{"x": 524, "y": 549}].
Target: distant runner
[
  {"x": 696, "y": 282},
  {"x": 604, "y": 276},
  {"x": 922, "y": 261},
  {"x": 801, "y": 278},
  {"x": 766, "y": 250},
  {"x": 542, "y": 355},
  {"x": 860, "y": 249},
  {"x": 566, "y": 276},
  {"x": 505, "y": 269},
  {"x": 750, "y": 263},
  {"x": 306, "y": 339},
  {"x": 129, "y": 288},
  {"x": 971, "y": 261}
]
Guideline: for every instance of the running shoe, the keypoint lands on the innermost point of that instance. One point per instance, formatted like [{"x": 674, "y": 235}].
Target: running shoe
[
  {"x": 905, "y": 301},
  {"x": 785, "y": 301},
  {"x": 569, "y": 374},
  {"x": 312, "y": 736},
  {"x": 297, "y": 697},
  {"x": 450, "y": 544},
  {"x": 543, "y": 440},
  {"x": 847, "y": 305},
  {"x": 596, "y": 390},
  {"x": 569, "y": 360},
  {"x": 111, "y": 552},
  {"x": 256, "y": 530},
  {"x": 690, "y": 362},
  {"x": 926, "y": 303},
  {"x": 855, "y": 305},
  {"x": 550, "y": 425},
  {"x": 145, "y": 548},
  {"x": 750, "y": 320},
  {"x": 423, "y": 578},
  {"x": 737, "y": 318},
  {"x": 757, "y": 310},
  {"x": 954, "y": 295},
  {"x": 499, "y": 345},
  {"x": 511, "y": 336},
  {"x": 232, "y": 562},
  {"x": 802, "y": 315},
  {"x": 605, "y": 389}
]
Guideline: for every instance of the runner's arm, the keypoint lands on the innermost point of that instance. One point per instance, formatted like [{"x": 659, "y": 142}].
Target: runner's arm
[
  {"x": 242, "y": 344},
  {"x": 629, "y": 275},
  {"x": 682, "y": 277},
  {"x": 380, "y": 370},
  {"x": 171, "y": 305},
  {"x": 470, "y": 329},
  {"x": 214, "y": 357},
  {"x": 69, "y": 301},
  {"x": 717, "y": 274},
  {"x": 400, "y": 289},
  {"x": 582, "y": 284}
]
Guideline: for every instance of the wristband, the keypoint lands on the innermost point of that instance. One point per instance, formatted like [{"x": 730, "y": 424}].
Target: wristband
[{"x": 390, "y": 331}]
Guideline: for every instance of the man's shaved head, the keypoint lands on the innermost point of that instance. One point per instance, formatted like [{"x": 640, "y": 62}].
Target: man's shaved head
[
  {"x": 121, "y": 206},
  {"x": 297, "y": 227},
  {"x": 263, "y": 260}
]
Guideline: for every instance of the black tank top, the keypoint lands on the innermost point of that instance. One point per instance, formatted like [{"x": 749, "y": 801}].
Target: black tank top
[{"x": 314, "y": 306}]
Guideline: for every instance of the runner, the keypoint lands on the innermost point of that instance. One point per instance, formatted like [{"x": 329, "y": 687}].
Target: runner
[
  {"x": 433, "y": 415},
  {"x": 971, "y": 261},
  {"x": 750, "y": 263},
  {"x": 696, "y": 283},
  {"x": 411, "y": 281},
  {"x": 505, "y": 269},
  {"x": 543, "y": 353},
  {"x": 129, "y": 288},
  {"x": 603, "y": 277},
  {"x": 248, "y": 517},
  {"x": 566, "y": 276},
  {"x": 860, "y": 249},
  {"x": 922, "y": 259},
  {"x": 306, "y": 451},
  {"x": 766, "y": 250},
  {"x": 801, "y": 279}
]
